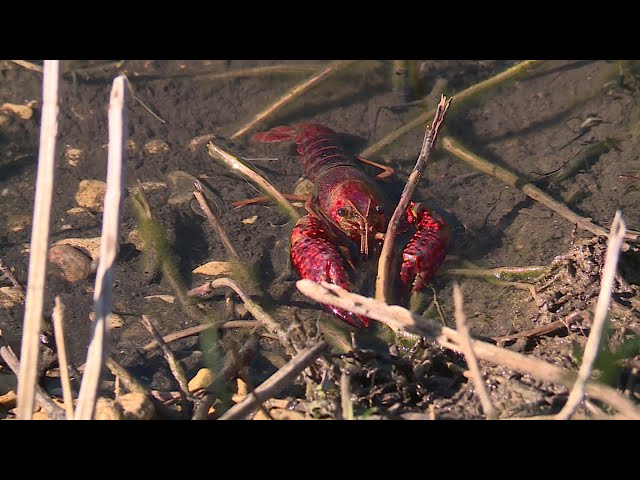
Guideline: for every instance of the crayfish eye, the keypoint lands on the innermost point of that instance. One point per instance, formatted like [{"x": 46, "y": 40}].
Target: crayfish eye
[
  {"x": 342, "y": 212},
  {"x": 379, "y": 208}
]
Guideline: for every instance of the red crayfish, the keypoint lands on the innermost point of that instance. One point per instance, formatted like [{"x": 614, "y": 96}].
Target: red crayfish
[{"x": 347, "y": 218}]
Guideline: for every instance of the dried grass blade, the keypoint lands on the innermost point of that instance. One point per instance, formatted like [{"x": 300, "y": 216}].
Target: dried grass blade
[
  {"x": 275, "y": 383},
  {"x": 58, "y": 329},
  {"x": 30, "y": 350},
  {"x": 108, "y": 249},
  {"x": 490, "y": 411}
]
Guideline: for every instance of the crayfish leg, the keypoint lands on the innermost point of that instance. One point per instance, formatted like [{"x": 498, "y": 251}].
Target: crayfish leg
[
  {"x": 314, "y": 257},
  {"x": 427, "y": 249}
]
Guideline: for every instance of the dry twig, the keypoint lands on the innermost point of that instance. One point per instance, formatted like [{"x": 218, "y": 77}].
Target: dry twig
[
  {"x": 274, "y": 384},
  {"x": 490, "y": 411},
  {"x": 430, "y": 137},
  {"x": 11, "y": 277},
  {"x": 213, "y": 220},
  {"x": 460, "y": 96},
  {"x": 30, "y": 350},
  {"x": 533, "y": 332},
  {"x": 146, "y": 107},
  {"x": 188, "y": 332},
  {"x": 102, "y": 296},
  {"x": 58, "y": 330},
  {"x": 53, "y": 411},
  {"x": 237, "y": 165},
  {"x": 400, "y": 318},
  {"x": 345, "y": 397},
  {"x": 29, "y": 65},
  {"x": 592, "y": 347},
  {"x": 233, "y": 363},
  {"x": 291, "y": 95},
  {"x": 252, "y": 307},
  {"x": 174, "y": 366}
]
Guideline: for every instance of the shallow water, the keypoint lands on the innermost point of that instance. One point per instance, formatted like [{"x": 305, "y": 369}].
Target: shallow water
[{"x": 533, "y": 124}]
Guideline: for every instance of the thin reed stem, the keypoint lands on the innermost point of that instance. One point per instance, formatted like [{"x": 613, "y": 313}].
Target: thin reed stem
[
  {"x": 102, "y": 296},
  {"x": 30, "y": 350}
]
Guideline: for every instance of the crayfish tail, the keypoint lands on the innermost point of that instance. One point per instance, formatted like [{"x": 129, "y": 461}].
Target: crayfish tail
[{"x": 276, "y": 134}]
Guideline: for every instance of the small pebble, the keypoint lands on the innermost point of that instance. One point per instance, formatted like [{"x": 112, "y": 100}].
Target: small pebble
[
  {"x": 214, "y": 268},
  {"x": 136, "y": 406},
  {"x": 113, "y": 319},
  {"x": 10, "y": 297},
  {"x": 134, "y": 237},
  {"x": 8, "y": 400},
  {"x": 25, "y": 112},
  {"x": 283, "y": 414},
  {"x": 73, "y": 155},
  {"x": 90, "y": 195},
  {"x": 69, "y": 263},
  {"x": 107, "y": 409},
  {"x": 18, "y": 222},
  {"x": 202, "y": 380},
  {"x": 89, "y": 245},
  {"x": 156, "y": 146},
  {"x": 132, "y": 146}
]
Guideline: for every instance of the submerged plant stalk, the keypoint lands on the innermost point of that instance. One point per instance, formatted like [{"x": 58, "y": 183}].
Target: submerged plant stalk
[
  {"x": 460, "y": 96},
  {"x": 292, "y": 95},
  {"x": 512, "y": 179}
]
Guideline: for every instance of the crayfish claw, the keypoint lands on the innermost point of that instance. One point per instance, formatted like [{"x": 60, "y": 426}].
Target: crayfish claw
[
  {"x": 314, "y": 257},
  {"x": 427, "y": 249},
  {"x": 351, "y": 318}
]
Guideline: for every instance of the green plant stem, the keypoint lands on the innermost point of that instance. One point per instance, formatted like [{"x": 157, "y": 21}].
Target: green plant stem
[
  {"x": 507, "y": 274},
  {"x": 460, "y": 96},
  {"x": 291, "y": 95}
]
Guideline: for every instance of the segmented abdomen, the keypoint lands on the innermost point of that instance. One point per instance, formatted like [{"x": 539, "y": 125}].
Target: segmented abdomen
[
  {"x": 319, "y": 146},
  {"x": 320, "y": 149},
  {"x": 425, "y": 252}
]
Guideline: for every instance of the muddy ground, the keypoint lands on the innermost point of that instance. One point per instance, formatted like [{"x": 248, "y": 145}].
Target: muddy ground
[{"x": 533, "y": 124}]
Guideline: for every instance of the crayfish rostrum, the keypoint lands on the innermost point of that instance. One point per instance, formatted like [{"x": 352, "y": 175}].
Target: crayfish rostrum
[{"x": 347, "y": 218}]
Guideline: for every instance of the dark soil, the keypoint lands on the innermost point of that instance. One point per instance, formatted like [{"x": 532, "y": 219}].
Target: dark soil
[{"x": 531, "y": 124}]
